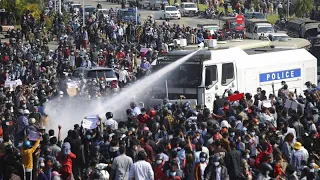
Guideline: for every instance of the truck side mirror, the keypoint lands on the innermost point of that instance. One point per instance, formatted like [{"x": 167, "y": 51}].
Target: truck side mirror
[{"x": 208, "y": 80}]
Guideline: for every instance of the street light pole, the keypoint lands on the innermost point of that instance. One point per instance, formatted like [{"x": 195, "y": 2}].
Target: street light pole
[
  {"x": 59, "y": 6},
  {"x": 55, "y": 5},
  {"x": 288, "y": 2},
  {"x": 83, "y": 15}
]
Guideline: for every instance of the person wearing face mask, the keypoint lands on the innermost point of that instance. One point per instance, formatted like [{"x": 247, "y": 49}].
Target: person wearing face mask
[
  {"x": 141, "y": 169},
  {"x": 216, "y": 170},
  {"x": 123, "y": 77},
  {"x": 265, "y": 171},
  {"x": 253, "y": 141},
  {"x": 173, "y": 174},
  {"x": 201, "y": 166},
  {"x": 246, "y": 174},
  {"x": 121, "y": 165},
  {"x": 158, "y": 168},
  {"x": 145, "y": 65}
]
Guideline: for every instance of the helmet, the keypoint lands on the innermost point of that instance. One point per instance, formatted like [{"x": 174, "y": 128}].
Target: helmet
[
  {"x": 165, "y": 100},
  {"x": 266, "y": 167},
  {"x": 186, "y": 104},
  {"x": 155, "y": 126},
  {"x": 56, "y": 166},
  {"x": 132, "y": 129},
  {"x": 109, "y": 115},
  {"x": 46, "y": 150},
  {"x": 32, "y": 120},
  {"x": 27, "y": 144},
  {"x": 203, "y": 155},
  {"x": 216, "y": 158},
  {"x": 9, "y": 149},
  {"x": 17, "y": 156},
  {"x": 153, "y": 112}
]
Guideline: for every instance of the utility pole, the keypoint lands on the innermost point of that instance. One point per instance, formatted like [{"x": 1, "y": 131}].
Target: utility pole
[
  {"x": 55, "y": 5},
  {"x": 83, "y": 15},
  {"x": 288, "y": 7},
  {"x": 59, "y": 6}
]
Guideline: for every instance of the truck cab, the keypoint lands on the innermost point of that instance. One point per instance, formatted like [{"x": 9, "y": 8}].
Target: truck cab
[
  {"x": 169, "y": 12},
  {"x": 257, "y": 29},
  {"x": 129, "y": 15},
  {"x": 156, "y": 4}
]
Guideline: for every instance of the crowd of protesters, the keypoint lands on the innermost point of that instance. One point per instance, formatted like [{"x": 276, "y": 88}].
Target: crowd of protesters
[{"x": 255, "y": 137}]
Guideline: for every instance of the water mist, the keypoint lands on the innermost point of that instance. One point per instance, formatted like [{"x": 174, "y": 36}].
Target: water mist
[{"x": 71, "y": 111}]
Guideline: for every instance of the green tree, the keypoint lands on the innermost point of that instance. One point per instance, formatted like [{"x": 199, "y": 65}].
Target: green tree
[{"x": 303, "y": 7}]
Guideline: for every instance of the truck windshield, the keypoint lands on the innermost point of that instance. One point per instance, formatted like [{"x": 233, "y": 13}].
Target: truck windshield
[
  {"x": 184, "y": 76},
  {"x": 171, "y": 9},
  {"x": 315, "y": 49},
  {"x": 190, "y": 6},
  {"x": 101, "y": 74},
  {"x": 128, "y": 13},
  {"x": 264, "y": 29}
]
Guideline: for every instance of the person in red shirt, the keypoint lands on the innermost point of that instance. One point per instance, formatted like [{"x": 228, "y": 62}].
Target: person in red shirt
[
  {"x": 143, "y": 117},
  {"x": 264, "y": 154},
  {"x": 145, "y": 145},
  {"x": 158, "y": 168},
  {"x": 65, "y": 158},
  {"x": 120, "y": 54}
]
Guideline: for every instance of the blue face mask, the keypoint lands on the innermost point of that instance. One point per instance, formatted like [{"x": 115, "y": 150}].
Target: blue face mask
[
  {"x": 232, "y": 134},
  {"x": 88, "y": 136}
]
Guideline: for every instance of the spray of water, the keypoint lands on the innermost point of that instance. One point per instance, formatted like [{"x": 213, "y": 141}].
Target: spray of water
[{"x": 71, "y": 111}]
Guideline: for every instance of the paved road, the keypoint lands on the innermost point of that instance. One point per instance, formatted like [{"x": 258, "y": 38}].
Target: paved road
[{"x": 187, "y": 21}]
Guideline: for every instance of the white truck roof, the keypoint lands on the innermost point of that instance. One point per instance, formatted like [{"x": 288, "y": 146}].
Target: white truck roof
[
  {"x": 263, "y": 24},
  {"x": 288, "y": 56}
]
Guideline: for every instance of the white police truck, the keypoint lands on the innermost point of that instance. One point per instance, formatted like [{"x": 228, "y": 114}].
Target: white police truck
[{"x": 211, "y": 72}]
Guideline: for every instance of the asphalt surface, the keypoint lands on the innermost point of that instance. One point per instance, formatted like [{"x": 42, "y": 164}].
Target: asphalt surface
[{"x": 144, "y": 13}]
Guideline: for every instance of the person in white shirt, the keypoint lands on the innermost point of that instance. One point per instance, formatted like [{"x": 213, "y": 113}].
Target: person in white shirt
[
  {"x": 86, "y": 62},
  {"x": 135, "y": 108},
  {"x": 141, "y": 169},
  {"x": 123, "y": 75},
  {"x": 72, "y": 61},
  {"x": 110, "y": 122},
  {"x": 120, "y": 33}
]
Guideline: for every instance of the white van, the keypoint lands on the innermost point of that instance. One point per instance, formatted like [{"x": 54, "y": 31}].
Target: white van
[
  {"x": 215, "y": 71},
  {"x": 188, "y": 9},
  {"x": 255, "y": 30}
]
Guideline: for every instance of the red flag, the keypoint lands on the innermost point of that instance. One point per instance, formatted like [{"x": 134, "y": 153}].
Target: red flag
[{"x": 235, "y": 97}]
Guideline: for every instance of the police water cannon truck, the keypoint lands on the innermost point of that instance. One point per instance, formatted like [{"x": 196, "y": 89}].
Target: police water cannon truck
[{"x": 211, "y": 72}]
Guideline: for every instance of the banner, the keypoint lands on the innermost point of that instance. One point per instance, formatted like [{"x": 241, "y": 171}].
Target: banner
[{"x": 90, "y": 122}]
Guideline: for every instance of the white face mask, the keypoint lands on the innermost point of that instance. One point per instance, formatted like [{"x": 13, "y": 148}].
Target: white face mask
[
  {"x": 253, "y": 133},
  {"x": 159, "y": 161},
  {"x": 42, "y": 164},
  {"x": 247, "y": 156},
  {"x": 216, "y": 164},
  {"x": 202, "y": 159}
]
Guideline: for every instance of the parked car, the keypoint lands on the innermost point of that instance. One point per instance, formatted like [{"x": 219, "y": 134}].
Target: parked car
[{"x": 169, "y": 12}]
